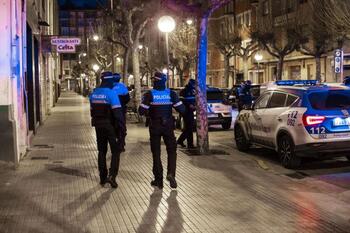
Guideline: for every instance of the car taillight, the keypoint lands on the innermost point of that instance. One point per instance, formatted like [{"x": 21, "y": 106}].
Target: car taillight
[{"x": 313, "y": 120}]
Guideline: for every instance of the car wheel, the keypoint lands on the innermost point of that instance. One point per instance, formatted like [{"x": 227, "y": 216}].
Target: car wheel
[
  {"x": 286, "y": 152},
  {"x": 226, "y": 125},
  {"x": 241, "y": 141}
]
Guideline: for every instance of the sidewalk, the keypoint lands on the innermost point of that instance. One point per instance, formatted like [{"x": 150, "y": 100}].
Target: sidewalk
[{"x": 56, "y": 189}]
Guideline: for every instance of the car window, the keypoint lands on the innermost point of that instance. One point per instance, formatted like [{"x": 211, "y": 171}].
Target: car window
[
  {"x": 215, "y": 95},
  {"x": 328, "y": 100},
  {"x": 262, "y": 101},
  {"x": 290, "y": 100},
  {"x": 277, "y": 100}
]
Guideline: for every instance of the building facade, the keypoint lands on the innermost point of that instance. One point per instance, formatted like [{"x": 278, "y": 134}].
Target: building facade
[
  {"x": 28, "y": 76},
  {"x": 240, "y": 18}
]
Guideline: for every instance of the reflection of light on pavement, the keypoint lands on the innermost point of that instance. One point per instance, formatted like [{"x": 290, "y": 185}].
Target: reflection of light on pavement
[{"x": 307, "y": 216}]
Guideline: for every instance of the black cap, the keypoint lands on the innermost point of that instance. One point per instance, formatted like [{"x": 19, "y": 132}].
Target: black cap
[
  {"x": 117, "y": 76},
  {"x": 159, "y": 76},
  {"x": 106, "y": 75}
]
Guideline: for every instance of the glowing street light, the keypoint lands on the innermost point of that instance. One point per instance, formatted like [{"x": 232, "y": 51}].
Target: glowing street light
[
  {"x": 95, "y": 67},
  {"x": 95, "y": 37},
  {"x": 189, "y": 21},
  {"x": 84, "y": 54},
  {"x": 165, "y": 70},
  {"x": 258, "y": 57},
  {"x": 140, "y": 46},
  {"x": 166, "y": 24}
]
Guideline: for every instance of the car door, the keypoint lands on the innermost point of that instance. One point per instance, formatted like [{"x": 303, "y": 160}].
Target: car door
[
  {"x": 255, "y": 120},
  {"x": 271, "y": 116}
]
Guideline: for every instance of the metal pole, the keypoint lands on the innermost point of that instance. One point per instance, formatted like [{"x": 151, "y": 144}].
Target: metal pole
[{"x": 167, "y": 55}]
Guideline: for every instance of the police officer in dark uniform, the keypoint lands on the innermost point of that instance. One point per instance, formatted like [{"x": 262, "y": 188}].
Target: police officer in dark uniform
[
  {"x": 245, "y": 95},
  {"x": 347, "y": 81},
  {"x": 107, "y": 115},
  {"x": 124, "y": 97},
  {"x": 157, "y": 104},
  {"x": 187, "y": 95}
]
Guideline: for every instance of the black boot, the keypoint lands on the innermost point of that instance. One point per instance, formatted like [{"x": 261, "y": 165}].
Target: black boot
[
  {"x": 103, "y": 181},
  {"x": 181, "y": 144},
  {"x": 172, "y": 181},
  {"x": 157, "y": 183},
  {"x": 112, "y": 182}
]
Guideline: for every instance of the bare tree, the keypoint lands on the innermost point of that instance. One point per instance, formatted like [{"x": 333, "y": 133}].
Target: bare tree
[
  {"x": 202, "y": 10},
  {"x": 335, "y": 14},
  {"x": 182, "y": 43},
  {"x": 320, "y": 38},
  {"x": 279, "y": 33}
]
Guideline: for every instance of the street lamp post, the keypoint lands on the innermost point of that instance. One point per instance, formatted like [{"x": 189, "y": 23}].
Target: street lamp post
[
  {"x": 96, "y": 67},
  {"x": 166, "y": 24},
  {"x": 258, "y": 57}
]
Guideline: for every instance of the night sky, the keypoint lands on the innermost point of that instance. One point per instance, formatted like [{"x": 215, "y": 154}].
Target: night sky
[{"x": 81, "y": 4}]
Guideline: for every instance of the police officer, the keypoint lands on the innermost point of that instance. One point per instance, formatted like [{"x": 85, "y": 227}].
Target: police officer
[
  {"x": 245, "y": 96},
  {"x": 107, "y": 115},
  {"x": 124, "y": 97},
  {"x": 347, "y": 81},
  {"x": 157, "y": 104},
  {"x": 187, "y": 95}
]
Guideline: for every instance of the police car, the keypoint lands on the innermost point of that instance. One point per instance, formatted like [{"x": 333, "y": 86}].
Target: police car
[
  {"x": 297, "y": 118},
  {"x": 218, "y": 111}
]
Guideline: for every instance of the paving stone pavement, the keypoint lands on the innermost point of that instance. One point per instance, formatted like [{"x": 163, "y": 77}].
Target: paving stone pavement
[{"x": 56, "y": 189}]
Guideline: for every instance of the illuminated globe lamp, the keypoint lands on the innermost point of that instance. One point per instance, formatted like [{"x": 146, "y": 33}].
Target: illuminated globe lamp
[
  {"x": 95, "y": 67},
  {"x": 166, "y": 24},
  {"x": 95, "y": 37}
]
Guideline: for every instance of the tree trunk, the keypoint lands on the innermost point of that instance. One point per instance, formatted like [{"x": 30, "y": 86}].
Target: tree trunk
[
  {"x": 318, "y": 67},
  {"x": 245, "y": 67},
  {"x": 136, "y": 74},
  {"x": 181, "y": 77},
  {"x": 201, "y": 97},
  {"x": 227, "y": 70},
  {"x": 126, "y": 65},
  {"x": 280, "y": 68}
]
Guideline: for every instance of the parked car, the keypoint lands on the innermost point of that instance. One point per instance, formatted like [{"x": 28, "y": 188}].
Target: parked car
[{"x": 297, "y": 118}]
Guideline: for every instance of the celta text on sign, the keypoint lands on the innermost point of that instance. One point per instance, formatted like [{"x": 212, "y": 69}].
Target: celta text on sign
[{"x": 66, "y": 45}]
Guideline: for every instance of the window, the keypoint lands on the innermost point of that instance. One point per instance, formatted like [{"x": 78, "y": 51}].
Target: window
[
  {"x": 239, "y": 19},
  {"x": 208, "y": 58},
  {"x": 222, "y": 29},
  {"x": 328, "y": 100},
  {"x": 247, "y": 18},
  {"x": 262, "y": 101},
  {"x": 266, "y": 7},
  {"x": 277, "y": 100},
  {"x": 290, "y": 5},
  {"x": 290, "y": 100}
]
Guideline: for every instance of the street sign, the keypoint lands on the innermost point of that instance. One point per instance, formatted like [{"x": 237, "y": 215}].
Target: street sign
[
  {"x": 338, "y": 61},
  {"x": 65, "y": 45}
]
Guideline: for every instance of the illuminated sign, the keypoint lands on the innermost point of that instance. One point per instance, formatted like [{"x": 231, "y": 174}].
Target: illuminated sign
[{"x": 65, "y": 45}]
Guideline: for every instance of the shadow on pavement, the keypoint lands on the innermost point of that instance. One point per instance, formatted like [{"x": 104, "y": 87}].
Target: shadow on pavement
[
  {"x": 149, "y": 218},
  {"x": 174, "y": 220}
]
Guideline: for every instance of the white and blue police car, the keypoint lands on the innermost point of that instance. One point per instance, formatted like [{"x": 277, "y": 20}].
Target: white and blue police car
[{"x": 298, "y": 118}]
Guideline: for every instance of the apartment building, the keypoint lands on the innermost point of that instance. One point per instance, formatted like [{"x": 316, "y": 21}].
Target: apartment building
[
  {"x": 29, "y": 76},
  {"x": 80, "y": 23}
]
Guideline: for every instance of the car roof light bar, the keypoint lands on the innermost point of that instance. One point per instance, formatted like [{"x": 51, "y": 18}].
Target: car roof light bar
[{"x": 296, "y": 82}]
